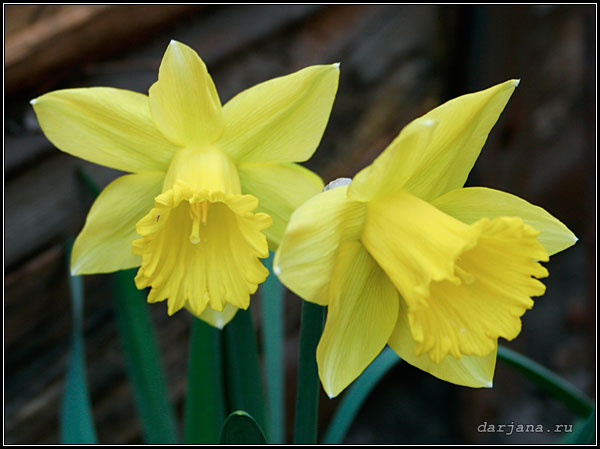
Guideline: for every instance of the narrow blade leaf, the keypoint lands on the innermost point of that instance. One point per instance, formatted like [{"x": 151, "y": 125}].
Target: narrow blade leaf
[
  {"x": 244, "y": 387},
  {"x": 354, "y": 398},
  {"x": 76, "y": 420},
  {"x": 241, "y": 429},
  {"x": 571, "y": 396},
  {"x": 142, "y": 361},
  {"x": 584, "y": 432}
]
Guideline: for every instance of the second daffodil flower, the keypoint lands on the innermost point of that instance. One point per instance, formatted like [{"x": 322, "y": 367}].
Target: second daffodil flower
[
  {"x": 403, "y": 255},
  {"x": 210, "y": 184}
]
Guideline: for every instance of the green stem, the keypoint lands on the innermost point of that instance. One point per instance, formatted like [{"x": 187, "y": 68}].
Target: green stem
[
  {"x": 307, "y": 393},
  {"x": 272, "y": 302},
  {"x": 244, "y": 387},
  {"x": 573, "y": 398},
  {"x": 204, "y": 402}
]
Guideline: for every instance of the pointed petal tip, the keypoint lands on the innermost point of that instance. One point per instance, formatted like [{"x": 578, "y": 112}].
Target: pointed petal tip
[
  {"x": 328, "y": 391},
  {"x": 517, "y": 82},
  {"x": 175, "y": 44},
  {"x": 336, "y": 65},
  {"x": 32, "y": 102},
  {"x": 171, "y": 309},
  {"x": 75, "y": 269},
  {"x": 490, "y": 384},
  {"x": 218, "y": 324}
]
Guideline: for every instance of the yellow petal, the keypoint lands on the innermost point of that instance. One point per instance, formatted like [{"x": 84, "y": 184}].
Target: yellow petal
[
  {"x": 362, "y": 313},
  {"x": 463, "y": 127},
  {"x": 107, "y": 126},
  {"x": 280, "y": 120},
  {"x": 306, "y": 256},
  {"x": 472, "y": 203},
  {"x": 201, "y": 249},
  {"x": 470, "y": 371},
  {"x": 394, "y": 167},
  {"x": 281, "y": 188},
  {"x": 218, "y": 319},
  {"x": 104, "y": 243},
  {"x": 184, "y": 102}
]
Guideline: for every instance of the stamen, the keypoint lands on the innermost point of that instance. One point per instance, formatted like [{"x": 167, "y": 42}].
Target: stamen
[
  {"x": 204, "y": 209},
  {"x": 198, "y": 212},
  {"x": 195, "y": 235},
  {"x": 466, "y": 277}
]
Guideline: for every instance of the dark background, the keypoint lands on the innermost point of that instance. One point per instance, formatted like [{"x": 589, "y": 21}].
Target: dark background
[{"x": 397, "y": 62}]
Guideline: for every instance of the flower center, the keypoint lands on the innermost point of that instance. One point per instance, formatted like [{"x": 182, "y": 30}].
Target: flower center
[{"x": 194, "y": 258}]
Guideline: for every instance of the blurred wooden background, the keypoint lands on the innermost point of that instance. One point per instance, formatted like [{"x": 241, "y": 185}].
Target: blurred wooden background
[{"x": 397, "y": 62}]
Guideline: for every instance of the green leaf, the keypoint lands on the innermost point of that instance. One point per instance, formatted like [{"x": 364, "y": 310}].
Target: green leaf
[
  {"x": 354, "y": 398},
  {"x": 307, "y": 393},
  {"x": 142, "y": 361},
  {"x": 241, "y": 429},
  {"x": 584, "y": 432},
  {"x": 76, "y": 420},
  {"x": 272, "y": 302},
  {"x": 571, "y": 396},
  {"x": 243, "y": 388},
  {"x": 205, "y": 401}
]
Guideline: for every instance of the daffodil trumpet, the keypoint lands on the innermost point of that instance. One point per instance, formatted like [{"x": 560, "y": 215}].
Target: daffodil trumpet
[
  {"x": 210, "y": 188},
  {"x": 403, "y": 255}
]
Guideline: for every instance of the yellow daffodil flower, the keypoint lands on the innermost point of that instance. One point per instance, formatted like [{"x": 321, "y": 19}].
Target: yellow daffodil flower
[
  {"x": 211, "y": 186},
  {"x": 404, "y": 255}
]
